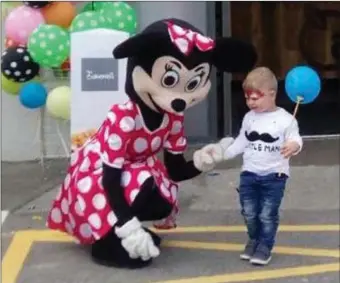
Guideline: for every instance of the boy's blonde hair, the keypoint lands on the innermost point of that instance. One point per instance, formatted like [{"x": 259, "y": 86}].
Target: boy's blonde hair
[{"x": 259, "y": 78}]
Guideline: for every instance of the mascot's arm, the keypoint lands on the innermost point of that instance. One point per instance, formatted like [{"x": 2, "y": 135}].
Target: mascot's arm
[{"x": 178, "y": 168}]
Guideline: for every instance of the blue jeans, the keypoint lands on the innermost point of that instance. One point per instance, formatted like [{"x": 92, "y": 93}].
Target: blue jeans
[{"x": 260, "y": 198}]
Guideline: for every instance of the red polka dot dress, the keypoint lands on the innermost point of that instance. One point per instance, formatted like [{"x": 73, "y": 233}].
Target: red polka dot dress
[{"x": 81, "y": 207}]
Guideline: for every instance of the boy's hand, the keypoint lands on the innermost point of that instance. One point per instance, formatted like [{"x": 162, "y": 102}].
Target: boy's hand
[{"x": 289, "y": 149}]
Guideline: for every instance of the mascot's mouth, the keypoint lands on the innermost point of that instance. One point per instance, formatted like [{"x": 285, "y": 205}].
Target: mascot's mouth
[{"x": 159, "y": 109}]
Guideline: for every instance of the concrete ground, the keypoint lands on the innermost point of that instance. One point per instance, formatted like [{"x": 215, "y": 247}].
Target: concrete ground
[{"x": 204, "y": 249}]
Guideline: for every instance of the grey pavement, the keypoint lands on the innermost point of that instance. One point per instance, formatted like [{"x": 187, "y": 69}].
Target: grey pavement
[{"x": 312, "y": 197}]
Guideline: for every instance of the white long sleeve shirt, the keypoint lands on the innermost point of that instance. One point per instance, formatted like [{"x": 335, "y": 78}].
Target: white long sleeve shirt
[{"x": 260, "y": 140}]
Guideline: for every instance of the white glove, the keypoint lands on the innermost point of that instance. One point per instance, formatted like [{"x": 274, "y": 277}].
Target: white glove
[
  {"x": 206, "y": 158},
  {"x": 136, "y": 241}
]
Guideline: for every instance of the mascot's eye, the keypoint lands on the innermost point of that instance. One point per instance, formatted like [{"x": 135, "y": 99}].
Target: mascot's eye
[
  {"x": 170, "y": 78},
  {"x": 193, "y": 83}
]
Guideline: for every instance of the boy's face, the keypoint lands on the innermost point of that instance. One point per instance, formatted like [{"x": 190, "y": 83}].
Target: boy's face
[{"x": 260, "y": 100}]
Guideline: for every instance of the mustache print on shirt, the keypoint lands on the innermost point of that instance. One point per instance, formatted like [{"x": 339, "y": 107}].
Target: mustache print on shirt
[{"x": 255, "y": 136}]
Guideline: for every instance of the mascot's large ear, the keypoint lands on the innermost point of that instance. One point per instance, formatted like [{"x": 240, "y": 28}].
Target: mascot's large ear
[
  {"x": 232, "y": 55},
  {"x": 139, "y": 44}
]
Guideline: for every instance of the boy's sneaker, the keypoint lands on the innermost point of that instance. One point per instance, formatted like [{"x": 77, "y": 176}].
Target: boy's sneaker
[
  {"x": 249, "y": 250},
  {"x": 262, "y": 255}
]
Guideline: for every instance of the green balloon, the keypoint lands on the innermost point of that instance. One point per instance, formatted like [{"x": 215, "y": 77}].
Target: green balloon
[
  {"x": 93, "y": 6},
  {"x": 88, "y": 7},
  {"x": 88, "y": 20},
  {"x": 120, "y": 15},
  {"x": 49, "y": 45}
]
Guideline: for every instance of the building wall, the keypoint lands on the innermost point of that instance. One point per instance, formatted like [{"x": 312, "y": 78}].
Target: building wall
[{"x": 20, "y": 126}]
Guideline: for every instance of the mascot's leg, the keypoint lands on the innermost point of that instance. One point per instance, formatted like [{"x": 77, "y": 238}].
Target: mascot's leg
[{"x": 149, "y": 205}]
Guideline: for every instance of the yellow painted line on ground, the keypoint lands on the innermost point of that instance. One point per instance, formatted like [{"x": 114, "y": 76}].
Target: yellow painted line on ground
[
  {"x": 239, "y": 247},
  {"x": 22, "y": 242},
  {"x": 15, "y": 257},
  {"x": 50, "y": 235},
  {"x": 239, "y": 228},
  {"x": 261, "y": 275},
  {"x": 307, "y": 252}
]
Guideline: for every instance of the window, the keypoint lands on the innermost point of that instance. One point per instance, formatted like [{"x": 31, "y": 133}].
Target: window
[{"x": 287, "y": 34}]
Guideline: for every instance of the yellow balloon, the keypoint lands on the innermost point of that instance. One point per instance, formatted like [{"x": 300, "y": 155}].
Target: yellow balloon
[
  {"x": 9, "y": 86},
  {"x": 12, "y": 87},
  {"x": 58, "y": 102},
  {"x": 7, "y": 7}
]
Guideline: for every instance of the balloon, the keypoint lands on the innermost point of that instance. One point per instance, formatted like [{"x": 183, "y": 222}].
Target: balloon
[
  {"x": 11, "y": 87},
  {"x": 36, "y": 4},
  {"x": 90, "y": 6},
  {"x": 7, "y": 7},
  {"x": 66, "y": 66},
  {"x": 97, "y": 6},
  {"x": 59, "y": 13},
  {"x": 49, "y": 45},
  {"x": 11, "y": 43},
  {"x": 21, "y": 22},
  {"x": 33, "y": 95},
  {"x": 10, "y": 4},
  {"x": 18, "y": 65},
  {"x": 120, "y": 15},
  {"x": 89, "y": 20},
  {"x": 59, "y": 102},
  {"x": 304, "y": 82}
]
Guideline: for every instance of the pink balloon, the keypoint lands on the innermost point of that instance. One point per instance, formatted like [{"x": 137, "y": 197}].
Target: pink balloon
[{"x": 21, "y": 22}]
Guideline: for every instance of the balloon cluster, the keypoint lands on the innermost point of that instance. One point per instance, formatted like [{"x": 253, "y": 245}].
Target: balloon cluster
[
  {"x": 37, "y": 36},
  {"x": 111, "y": 15}
]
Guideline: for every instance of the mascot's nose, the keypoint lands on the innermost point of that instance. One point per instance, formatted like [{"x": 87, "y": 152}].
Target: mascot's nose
[{"x": 178, "y": 105}]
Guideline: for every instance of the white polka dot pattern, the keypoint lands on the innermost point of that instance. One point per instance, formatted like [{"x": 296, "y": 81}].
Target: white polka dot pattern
[
  {"x": 82, "y": 208},
  {"x": 95, "y": 221},
  {"x": 140, "y": 145},
  {"x": 99, "y": 201},
  {"x": 84, "y": 185},
  {"x": 56, "y": 215},
  {"x": 17, "y": 64}
]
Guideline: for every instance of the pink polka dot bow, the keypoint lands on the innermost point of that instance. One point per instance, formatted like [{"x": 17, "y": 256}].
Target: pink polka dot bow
[{"x": 186, "y": 39}]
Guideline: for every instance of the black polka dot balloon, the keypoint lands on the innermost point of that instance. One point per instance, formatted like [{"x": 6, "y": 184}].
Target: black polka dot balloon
[
  {"x": 17, "y": 64},
  {"x": 36, "y": 4}
]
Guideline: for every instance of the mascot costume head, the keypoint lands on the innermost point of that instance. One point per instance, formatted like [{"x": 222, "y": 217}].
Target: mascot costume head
[
  {"x": 115, "y": 181},
  {"x": 169, "y": 64}
]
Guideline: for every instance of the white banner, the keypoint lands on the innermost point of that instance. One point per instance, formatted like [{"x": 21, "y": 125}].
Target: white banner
[{"x": 97, "y": 79}]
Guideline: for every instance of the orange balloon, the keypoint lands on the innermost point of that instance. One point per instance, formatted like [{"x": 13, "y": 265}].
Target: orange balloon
[
  {"x": 59, "y": 13},
  {"x": 66, "y": 65}
]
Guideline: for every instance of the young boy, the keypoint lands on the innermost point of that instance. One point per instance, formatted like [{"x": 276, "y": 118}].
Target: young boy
[{"x": 269, "y": 136}]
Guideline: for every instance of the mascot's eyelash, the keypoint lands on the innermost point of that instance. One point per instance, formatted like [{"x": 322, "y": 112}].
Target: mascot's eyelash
[
  {"x": 168, "y": 67},
  {"x": 201, "y": 74}
]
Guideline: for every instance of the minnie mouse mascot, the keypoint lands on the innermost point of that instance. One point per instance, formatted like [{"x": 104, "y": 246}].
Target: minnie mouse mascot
[{"x": 115, "y": 181}]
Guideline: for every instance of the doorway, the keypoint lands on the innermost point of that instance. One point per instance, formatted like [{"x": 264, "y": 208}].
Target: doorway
[{"x": 287, "y": 34}]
